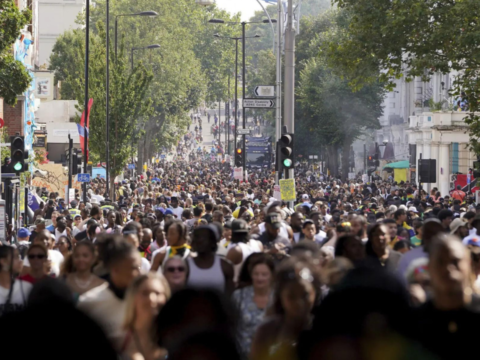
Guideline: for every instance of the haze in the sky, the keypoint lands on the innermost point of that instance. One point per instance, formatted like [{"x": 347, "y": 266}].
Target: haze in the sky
[{"x": 246, "y": 7}]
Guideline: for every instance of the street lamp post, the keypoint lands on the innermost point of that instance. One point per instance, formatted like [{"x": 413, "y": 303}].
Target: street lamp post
[
  {"x": 107, "y": 87},
  {"x": 85, "y": 111},
  {"x": 218, "y": 21},
  {"x": 153, "y": 46}
]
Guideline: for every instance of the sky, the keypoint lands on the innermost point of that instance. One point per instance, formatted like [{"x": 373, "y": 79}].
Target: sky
[{"x": 246, "y": 7}]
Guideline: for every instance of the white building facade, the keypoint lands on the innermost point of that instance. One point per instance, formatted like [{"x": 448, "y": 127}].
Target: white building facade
[
  {"x": 442, "y": 136},
  {"x": 54, "y": 18}
]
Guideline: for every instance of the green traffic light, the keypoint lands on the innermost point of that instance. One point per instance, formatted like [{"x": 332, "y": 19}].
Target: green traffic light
[
  {"x": 287, "y": 163},
  {"x": 18, "y": 166}
]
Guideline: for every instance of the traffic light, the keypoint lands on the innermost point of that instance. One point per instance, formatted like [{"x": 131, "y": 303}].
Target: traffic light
[
  {"x": 286, "y": 151},
  {"x": 239, "y": 156},
  {"x": 376, "y": 162},
  {"x": 77, "y": 162},
  {"x": 18, "y": 154}
]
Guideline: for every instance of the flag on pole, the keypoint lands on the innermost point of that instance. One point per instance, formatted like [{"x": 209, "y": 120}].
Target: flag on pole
[{"x": 82, "y": 129}]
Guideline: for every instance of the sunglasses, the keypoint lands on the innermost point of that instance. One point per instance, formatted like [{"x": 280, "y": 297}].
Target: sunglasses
[
  {"x": 36, "y": 256},
  {"x": 173, "y": 269}
]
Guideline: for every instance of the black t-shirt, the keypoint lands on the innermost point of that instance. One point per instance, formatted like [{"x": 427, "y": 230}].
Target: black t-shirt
[
  {"x": 208, "y": 217},
  {"x": 268, "y": 243},
  {"x": 48, "y": 213},
  {"x": 449, "y": 334}
]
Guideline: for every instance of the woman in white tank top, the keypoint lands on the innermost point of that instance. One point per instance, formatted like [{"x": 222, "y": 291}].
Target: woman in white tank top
[{"x": 207, "y": 270}]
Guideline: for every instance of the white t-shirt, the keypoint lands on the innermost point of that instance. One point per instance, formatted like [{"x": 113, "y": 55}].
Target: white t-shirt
[
  {"x": 20, "y": 292},
  {"x": 56, "y": 259},
  {"x": 58, "y": 234},
  {"x": 145, "y": 266},
  {"x": 178, "y": 211}
]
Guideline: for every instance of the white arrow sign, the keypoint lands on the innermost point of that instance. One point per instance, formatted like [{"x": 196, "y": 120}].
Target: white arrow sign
[
  {"x": 265, "y": 91},
  {"x": 243, "y": 131},
  {"x": 258, "y": 103}
]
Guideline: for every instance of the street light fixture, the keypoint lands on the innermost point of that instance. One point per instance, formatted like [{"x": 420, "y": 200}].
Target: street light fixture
[
  {"x": 153, "y": 46},
  {"x": 244, "y": 24},
  {"x": 236, "y": 76},
  {"x": 142, "y": 13}
]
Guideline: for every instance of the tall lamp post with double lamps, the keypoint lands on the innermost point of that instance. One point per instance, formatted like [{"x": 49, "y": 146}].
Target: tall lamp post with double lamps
[{"x": 244, "y": 24}]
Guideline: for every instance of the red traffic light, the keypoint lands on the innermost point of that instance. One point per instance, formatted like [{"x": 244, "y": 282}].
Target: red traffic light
[{"x": 370, "y": 158}]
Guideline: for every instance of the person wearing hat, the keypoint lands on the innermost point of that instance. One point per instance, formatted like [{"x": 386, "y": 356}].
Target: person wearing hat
[
  {"x": 459, "y": 227},
  {"x": 242, "y": 246},
  {"x": 271, "y": 237},
  {"x": 208, "y": 270},
  {"x": 23, "y": 235},
  {"x": 73, "y": 210},
  {"x": 77, "y": 220}
]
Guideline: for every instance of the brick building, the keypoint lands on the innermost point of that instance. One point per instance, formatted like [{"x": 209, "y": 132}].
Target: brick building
[{"x": 13, "y": 117}]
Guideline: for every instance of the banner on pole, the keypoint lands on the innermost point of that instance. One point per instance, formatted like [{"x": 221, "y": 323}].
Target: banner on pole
[{"x": 287, "y": 190}]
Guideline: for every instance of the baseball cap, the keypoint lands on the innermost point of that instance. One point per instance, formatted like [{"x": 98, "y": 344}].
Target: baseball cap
[
  {"x": 456, "y": 224},
  {"x": 23, "y": 233},
  {"x": 239, "y": 226},
  {"x": 77, "y": 216},
  {"x": 413, "y": 209},
  {"x": 212, "y": 228},
  {"x": 39, "y": 220},
  {"x": 74, "y": 203},
  {"x": 305, "y": 197},
  {"x": 274, "y": 219},
  {"x": 169, "y": 212}
]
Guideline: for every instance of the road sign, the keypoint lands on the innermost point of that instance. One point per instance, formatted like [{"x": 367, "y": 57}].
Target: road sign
[
  {"x": 469, "y": 179},
  {"x": 244, "y": 131},
  {"x": 258, "y": 103},
  {"x": 83, "y": 177},
  {"x": 162, "y": 156},
  {"x": 131, "y": 166},
  {"x": 264, "y": 91}
]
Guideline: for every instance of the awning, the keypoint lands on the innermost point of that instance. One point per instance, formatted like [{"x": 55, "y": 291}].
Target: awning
[{"x": 405, "y": 164}]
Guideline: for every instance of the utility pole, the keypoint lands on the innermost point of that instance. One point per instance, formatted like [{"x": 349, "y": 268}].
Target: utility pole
[
  {"x": 289, "y": 105},
  {"x": 70, "y": 166},
  {"x": 278, "y": 109},
  {"x": 219, "y": 115},
  {"x": 107, "y": 107},
  {"x": 244, "y": 24},
  {"x": 87, "y": 51},
  {"x": 227, "y": 120}
]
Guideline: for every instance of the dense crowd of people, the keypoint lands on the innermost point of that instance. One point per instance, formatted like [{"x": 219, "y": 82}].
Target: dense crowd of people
[{"x": 189, "y": 263}]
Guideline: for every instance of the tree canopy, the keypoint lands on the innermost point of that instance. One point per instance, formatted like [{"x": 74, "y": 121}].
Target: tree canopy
[
  {"x": 14, "y": 77},
  {"x": 129, "y": 104},
  {"x": 329, "y": 112}
]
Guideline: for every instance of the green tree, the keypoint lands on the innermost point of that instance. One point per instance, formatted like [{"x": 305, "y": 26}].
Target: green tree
[
  {"x": 409, "y": 38},
  {"x": 129, "y": 104},
  {"x": 14, "y": 77},
  {"x": 330, "y": 114}
]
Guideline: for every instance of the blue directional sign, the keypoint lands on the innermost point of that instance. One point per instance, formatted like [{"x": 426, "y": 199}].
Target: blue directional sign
[
  {"x": 131, "y": 166},
  {"x": 83, "y": 177},
  {"x": 162, "y": 156}
]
